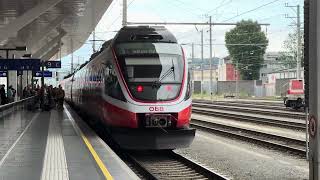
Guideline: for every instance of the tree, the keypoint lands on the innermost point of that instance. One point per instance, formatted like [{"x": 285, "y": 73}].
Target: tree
[
  {"x": 247, "y": 44},
  {"x": 289, "y": 57}
]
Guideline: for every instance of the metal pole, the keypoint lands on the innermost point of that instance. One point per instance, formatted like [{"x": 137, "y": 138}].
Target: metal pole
[
  {"x": 202, "y": 63},
  {"x": 124, "y": 13},
  {"x": 299, "y": 43},
  {"x": 27, "y": 77},
  {"x": 192, "y": 61},
  {"x": 237, "y": 81},
  {"x": 307, "y": 137},
  {"x": 94, "y": 41},
  {"x": 7, "y": 56},
  {"x": 42, "y": 77},
  {"x": 71, "y": 55},
  {"x": 210, "y": 57},
  {"x": 313, "y": 62}
]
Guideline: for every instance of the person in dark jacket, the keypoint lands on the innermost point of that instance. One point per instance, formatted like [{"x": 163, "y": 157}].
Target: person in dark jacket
[{"x": 3, "y": 94}]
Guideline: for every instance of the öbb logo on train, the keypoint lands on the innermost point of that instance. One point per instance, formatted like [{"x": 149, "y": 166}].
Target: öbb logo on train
[{"x": 156, "y": 109}]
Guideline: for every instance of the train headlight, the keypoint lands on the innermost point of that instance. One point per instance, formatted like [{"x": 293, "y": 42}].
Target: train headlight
[{"x": 139, "y": 88}]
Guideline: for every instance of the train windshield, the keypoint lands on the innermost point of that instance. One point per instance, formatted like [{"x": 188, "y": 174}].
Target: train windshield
[{"x": 153, "y": 71}]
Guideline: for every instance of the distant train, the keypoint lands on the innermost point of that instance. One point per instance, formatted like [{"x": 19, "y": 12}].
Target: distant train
[
  {"x": 138, "y": 86},
  {"x": 295, "y": 94}
]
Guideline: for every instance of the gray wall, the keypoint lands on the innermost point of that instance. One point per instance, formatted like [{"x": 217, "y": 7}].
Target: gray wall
[
  {"x": 282, "y": 85},
  {"x": 246, "y": 88}
]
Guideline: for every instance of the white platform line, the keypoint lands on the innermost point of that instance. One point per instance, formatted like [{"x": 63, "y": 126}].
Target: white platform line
[
  {"x": 55, "y": 163},
  {"x": 16, "y": 142}
]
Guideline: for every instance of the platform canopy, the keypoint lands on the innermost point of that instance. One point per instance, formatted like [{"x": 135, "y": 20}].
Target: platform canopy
[{"x": 45, "y": 25}]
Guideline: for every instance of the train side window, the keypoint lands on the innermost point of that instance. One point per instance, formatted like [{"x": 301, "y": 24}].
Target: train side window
[{"x": 112, "y": 86}]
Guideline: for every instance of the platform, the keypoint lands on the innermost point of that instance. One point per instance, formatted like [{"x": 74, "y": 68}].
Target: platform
[{"x": 55, "y": 145}]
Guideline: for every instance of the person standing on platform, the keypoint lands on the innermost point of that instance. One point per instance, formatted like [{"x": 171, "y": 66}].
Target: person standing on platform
[
  {"x": 60, "y": 97},
  {"x": 14, "y": 92},
  {"x": 10, "y": 95},
  {"x": 3, "y": 95}
]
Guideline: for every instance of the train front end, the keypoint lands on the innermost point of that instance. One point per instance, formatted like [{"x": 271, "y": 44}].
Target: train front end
[{"x": 154, "y": 79}]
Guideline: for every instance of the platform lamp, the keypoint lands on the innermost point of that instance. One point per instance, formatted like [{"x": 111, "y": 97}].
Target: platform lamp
[{"x": 17, "y": 48}]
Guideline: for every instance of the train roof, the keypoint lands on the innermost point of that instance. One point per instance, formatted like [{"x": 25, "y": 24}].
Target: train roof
[{"x": 144, "y": 33}]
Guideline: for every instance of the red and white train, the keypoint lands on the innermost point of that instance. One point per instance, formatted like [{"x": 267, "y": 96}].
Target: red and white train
[
  {"x": 139, "y": 87},
  {"x": 295, "y": 94}
]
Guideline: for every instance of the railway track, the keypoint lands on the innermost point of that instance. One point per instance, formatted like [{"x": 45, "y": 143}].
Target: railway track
[
  {"x": 151, "y": 165},
  {"x": 278, "y": 113},
  {"x": 250, "y": 105},
  {"x": 282, "y": 143},
  {"x": 294, "y": 124},
  {"x": 169, "y": 165},
  {"x": 274, "y": 104}
]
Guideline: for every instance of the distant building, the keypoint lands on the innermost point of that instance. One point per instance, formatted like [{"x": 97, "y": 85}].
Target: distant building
[
  {"x": 284, "y": 74},
  {"x": 196, "y": 63},
  {"x": 271, "y": 64},
  {"x": 227, "y": 71},
  {"x": 206, "y": 75}
]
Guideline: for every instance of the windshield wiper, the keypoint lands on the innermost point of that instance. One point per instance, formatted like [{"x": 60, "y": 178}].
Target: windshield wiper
[
  {"x": 168, "y": 72},
  {"x": 157, "y": 84}
]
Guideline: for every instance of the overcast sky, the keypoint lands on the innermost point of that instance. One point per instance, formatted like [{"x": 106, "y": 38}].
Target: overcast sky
[{"x": 263, "y": 11}]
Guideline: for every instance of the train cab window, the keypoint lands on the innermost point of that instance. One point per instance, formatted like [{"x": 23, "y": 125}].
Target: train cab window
[
  {"x": 157, "y": 67},
  {"x": 112, "y": 86}
]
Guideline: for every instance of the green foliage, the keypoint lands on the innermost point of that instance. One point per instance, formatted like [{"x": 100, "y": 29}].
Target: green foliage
[
  {"x": 288, "y": 58},
  {"x": 247, "y": 44}
]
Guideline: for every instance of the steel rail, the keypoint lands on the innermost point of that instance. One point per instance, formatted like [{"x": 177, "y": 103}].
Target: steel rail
[
  {"x": 277, "y": 113},
  {"x": 252, "y": 119},
  {"x": 266, "y": 139}
]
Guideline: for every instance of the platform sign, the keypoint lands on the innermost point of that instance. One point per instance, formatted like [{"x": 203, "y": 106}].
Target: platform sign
[
  {"x": 53, "y": 64},
  {"x": 45, "y": 74},
  {"x": 20, "y": 64},
  {"x": 3, "y": 73}
]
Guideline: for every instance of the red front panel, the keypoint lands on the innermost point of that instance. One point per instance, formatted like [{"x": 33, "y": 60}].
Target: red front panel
[
  {"x": 296, "y": 84},
  {"x": 115, "y": 116},
  {"x": 184, "y": 117}
]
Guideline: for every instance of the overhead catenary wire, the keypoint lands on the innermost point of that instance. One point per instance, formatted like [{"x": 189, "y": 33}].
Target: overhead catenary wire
[{"x": 251, "y": 10}]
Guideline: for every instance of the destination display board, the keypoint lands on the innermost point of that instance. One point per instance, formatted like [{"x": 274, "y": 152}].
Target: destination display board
[
  {"x": 45, "y": 74},
  {"x": 3, "y": 73},
  {"x": 52, "y": 64},
  {"x": 20, "y": 64}
]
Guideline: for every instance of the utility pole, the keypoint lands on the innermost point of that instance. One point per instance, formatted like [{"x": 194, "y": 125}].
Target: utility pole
[
  {"x": 237, "y": 79},
  {"x": 210, "y": 29},
  {"x": 93, "y": 23},
  {"x": 124, "y": 13},
  {"x": 201, "y": 63},
  {"x": 71, "y": 55},
  {"x": 298, "y": 37},
  {"x": 192, "y": 61},
  {"x": 299, "y": 44},
  {"x": 94, "y": 41}
]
